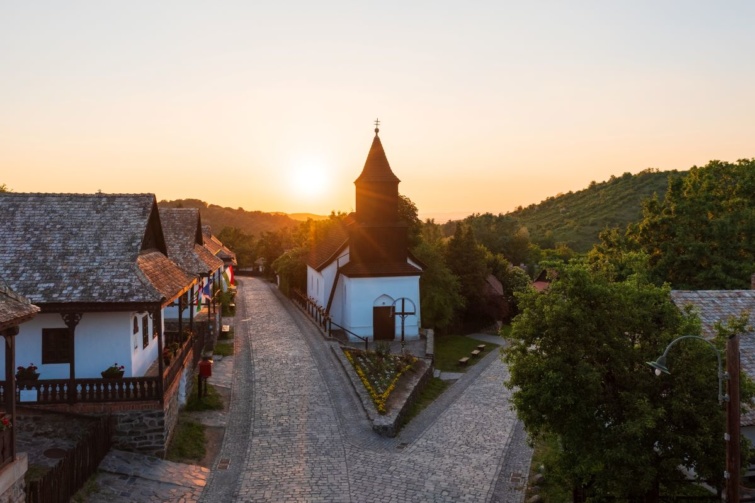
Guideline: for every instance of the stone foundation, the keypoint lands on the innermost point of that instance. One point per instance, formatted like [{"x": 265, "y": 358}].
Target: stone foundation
[{"x": 12, "y": 486}]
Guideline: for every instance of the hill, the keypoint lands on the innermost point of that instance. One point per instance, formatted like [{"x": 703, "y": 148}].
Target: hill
[
  {"x": 218, "y": 217},
  {"x": 576, "y": 218}
]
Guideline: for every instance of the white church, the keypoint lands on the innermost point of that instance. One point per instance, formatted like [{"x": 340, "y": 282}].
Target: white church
[{"x": 363, "y": 274}]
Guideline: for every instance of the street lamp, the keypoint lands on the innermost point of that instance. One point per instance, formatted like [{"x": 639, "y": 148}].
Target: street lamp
[{"x": 731, "y": 474}]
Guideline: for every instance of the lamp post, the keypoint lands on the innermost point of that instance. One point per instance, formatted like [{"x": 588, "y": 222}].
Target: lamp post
[{"x": 731, "y": 474}]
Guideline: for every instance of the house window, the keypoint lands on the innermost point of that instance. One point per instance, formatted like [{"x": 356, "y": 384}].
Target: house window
[
  {"x": 145, "y": 331},
  {"x": 56, "y": 345},
  {"x": 136, "y": 325}
]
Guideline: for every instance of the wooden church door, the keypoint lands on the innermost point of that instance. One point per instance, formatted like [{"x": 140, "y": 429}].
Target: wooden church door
[{"x": 383, "y": 324}]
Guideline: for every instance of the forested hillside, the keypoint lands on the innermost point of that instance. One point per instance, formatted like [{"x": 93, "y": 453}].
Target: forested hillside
[
  {"x": 576, "y": 218},
  {"x": 249, "y": 222}
]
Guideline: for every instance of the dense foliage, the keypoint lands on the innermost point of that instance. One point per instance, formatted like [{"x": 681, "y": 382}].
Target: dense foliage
[
  {"x": 577, "y": 356},
  {"x": 701, "y": 235},
  {"x": 576, "y": 218}
]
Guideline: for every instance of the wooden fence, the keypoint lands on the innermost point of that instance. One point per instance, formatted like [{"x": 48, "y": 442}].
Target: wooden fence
[{"x": 62, "y": 481}]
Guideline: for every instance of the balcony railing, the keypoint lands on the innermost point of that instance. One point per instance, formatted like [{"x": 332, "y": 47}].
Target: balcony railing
[{"x": 124, "y": 389}]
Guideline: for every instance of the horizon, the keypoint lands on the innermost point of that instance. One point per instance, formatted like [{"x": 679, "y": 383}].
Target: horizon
[{"x": 482, "y": 107}]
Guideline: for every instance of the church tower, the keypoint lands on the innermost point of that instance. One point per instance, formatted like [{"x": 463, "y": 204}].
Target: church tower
[{"x": 378, "y": 236}]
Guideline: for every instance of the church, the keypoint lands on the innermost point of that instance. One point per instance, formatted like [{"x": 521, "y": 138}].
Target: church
[{"x": 362, "y": 272}]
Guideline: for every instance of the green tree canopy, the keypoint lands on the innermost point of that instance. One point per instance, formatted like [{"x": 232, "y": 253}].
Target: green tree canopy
[
  {"x": 701, "y": 235},
  {"x": 577, "y": 358}
]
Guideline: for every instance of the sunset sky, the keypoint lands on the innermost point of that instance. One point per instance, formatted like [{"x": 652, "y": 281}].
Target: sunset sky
[{"x": 484, "y": 105}]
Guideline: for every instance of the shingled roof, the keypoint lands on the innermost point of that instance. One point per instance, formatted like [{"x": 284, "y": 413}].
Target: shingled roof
[
  {"x": 718, "y": 306},
  {"x": 216, "y": 247},
  {"x": 14, "y": 309},
  {"x": 327, "y": 249},
  {"x": 376, "y": 167},
  {"x": 183, "y": 235},
  {"x": 84, "y": 249}
]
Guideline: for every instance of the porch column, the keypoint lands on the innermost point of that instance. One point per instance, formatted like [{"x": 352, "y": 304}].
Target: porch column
[
  {"x": 71, "y": 320},
  {"x": 180, "y": 316},
  {"x": 192, "y": 305},
  {"x": 157, "y": 318},
  {"x": 10, "y": 383}
]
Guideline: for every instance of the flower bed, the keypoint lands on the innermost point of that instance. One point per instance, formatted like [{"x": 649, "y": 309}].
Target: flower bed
[{"x": 379, "y": 372}]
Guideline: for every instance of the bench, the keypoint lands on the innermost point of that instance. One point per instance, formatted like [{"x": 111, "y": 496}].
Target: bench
[
  {"x": 476, "y": 352},
  {"x": 464, "y": 361},
  {"x": 481, "y": 347}
]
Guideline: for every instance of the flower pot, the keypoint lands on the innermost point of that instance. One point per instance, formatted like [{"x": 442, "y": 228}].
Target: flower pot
[
  {"x": 27, "y": 376},
  {"x": 111, "y": 375}
]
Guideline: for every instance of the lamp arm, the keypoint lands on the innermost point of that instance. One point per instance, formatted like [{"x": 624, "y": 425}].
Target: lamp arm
[{"x": 721, "y": 374}]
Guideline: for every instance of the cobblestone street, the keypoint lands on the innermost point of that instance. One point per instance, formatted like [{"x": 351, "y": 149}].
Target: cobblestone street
[{"x": 296, "y": 431}]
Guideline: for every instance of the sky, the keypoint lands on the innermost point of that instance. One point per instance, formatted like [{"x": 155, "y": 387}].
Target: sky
[{"x": 483, "y": 105}]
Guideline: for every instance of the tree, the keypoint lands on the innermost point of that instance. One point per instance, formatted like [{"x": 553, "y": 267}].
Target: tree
[
  {"x": 501, "y": 234},
  {"x": 440, "y": 296},
  {"x": 291, "y": 268},
  {"x": 512, "y": 278},
  {"x": 240, "y": 243},
  {"x": 4, "y": 188},
  {"x": 702, "y": 234},
  {"x": 466, "y": 260},
  {"x": 408, "y": 213},
  {"x": 577, "y": 358}
]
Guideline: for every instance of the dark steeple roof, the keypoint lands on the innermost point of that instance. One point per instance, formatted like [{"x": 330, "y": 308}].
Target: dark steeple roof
[{"x": 376, "y": 167}]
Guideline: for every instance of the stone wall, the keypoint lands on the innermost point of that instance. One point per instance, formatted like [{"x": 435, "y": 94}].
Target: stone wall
[{"x": 12, "y": 486}]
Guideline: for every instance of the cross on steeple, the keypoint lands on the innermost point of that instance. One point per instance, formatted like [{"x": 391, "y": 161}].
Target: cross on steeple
[{"x": 377, "y": 129}]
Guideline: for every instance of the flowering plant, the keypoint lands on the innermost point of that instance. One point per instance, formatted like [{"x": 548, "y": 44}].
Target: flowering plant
[
  {"x": 29, "y": 372},
  {"x": 5, "y": 423},
  {"x": 113, "y": 370}
]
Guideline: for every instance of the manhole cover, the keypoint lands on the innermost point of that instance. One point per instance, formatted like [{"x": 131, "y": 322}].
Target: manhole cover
[
  {"x": 55, "y": 453},
  {"x": 223, "y": 465}
]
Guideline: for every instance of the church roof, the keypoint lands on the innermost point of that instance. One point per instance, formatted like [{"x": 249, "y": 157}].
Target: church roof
[
  {"x": 326, "y": 249},
  {"x": 376, "y": 167},
  {"x": 371, "y": 270}
]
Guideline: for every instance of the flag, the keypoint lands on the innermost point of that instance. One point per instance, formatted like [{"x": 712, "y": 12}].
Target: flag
[
  {"x": 199, "y": 296},
  {"x": 231, "y": 279},
  {"x": 206, "y": 291}
]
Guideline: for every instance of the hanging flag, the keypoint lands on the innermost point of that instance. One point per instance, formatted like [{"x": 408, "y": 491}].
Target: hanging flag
[
  {"x": 206, "y": 292},
  {"x": 231, "y": 278},
  {"x": 199, "y": 296}
]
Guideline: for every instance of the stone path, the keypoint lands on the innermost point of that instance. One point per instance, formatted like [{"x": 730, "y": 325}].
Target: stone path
[
  {"x": 296, "y": 432},
  {"x": 310, "y": 441}
]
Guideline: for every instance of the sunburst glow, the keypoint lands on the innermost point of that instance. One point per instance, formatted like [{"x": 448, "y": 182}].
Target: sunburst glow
[{"x": 310, "y": 180}]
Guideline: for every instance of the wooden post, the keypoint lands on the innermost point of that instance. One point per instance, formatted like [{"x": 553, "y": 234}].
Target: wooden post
[
  {"x": 732, "y": 420},
  {"x": 71, "y": 320},
  {"x": 10, "y": 383},
  {"x": 158, "y": 319}
]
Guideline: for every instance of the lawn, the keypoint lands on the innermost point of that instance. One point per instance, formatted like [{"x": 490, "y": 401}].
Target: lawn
[
  {"x": 449, "y": 348},
  {"x": 432, "y": 390}
]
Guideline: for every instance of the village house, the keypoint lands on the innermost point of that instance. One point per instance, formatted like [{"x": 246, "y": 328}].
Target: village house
[
  {"x": 186, "y": 247},
  {"x": 98, "y": 266},
  {"x": 14, "y": 310},
  {"x": 362, "y": 274}
]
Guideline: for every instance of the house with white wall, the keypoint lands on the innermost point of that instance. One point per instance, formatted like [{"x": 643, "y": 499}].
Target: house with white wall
[
  {"x": 97, "y": 265},
  {"x": 362, "y": 273}
]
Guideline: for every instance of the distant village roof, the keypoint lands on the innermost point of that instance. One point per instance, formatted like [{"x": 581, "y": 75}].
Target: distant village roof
[
  {"x": 183, "y": 235},
  {"x": 85, "y": 248},
  {"x": 216, "y": 247},
  {"x": 718, "y": 306},
  {"x": 14, "y": 309}
]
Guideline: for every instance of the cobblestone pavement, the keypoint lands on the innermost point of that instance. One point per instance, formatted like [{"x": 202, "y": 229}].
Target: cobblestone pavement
[{"x": 296, "y": 431}]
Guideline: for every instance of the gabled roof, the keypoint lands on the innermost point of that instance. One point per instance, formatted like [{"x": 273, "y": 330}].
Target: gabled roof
[
  {"x": 216, "y": 247},
  {"x": 14, "y": 309},
  {"x": 183, "y": 236},
  {"x": 376, "y": 167},
  {"x": 718, "y": 306},
  {"x": 80, "y": 248},
  {"x": 167, "y": 278},
  {"x": 329, "y": 247}
]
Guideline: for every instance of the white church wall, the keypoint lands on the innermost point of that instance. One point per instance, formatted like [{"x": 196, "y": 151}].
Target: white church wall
[{"x": 361, "y": 294}]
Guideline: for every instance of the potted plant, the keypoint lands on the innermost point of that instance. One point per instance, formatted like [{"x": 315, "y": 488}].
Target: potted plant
[
  {"x": 167, "y": 355},
  {"x": 28, "y": 373},
  {"x": 114, "y": 371}
]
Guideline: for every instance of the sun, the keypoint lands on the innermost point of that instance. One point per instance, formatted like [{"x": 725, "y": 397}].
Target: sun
[{"x": 309, "y": 180}]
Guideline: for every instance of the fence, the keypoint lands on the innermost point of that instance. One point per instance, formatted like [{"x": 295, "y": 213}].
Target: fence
[
  {"x": 321, "y": 316},
  {"x": 62, "y": 481}
]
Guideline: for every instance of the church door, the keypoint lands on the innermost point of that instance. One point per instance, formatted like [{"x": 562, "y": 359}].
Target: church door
[{"x": 383, "y": 323}]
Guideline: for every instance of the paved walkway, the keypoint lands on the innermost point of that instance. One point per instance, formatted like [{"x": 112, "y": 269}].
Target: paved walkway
[{"x": 296, "y": 432}]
